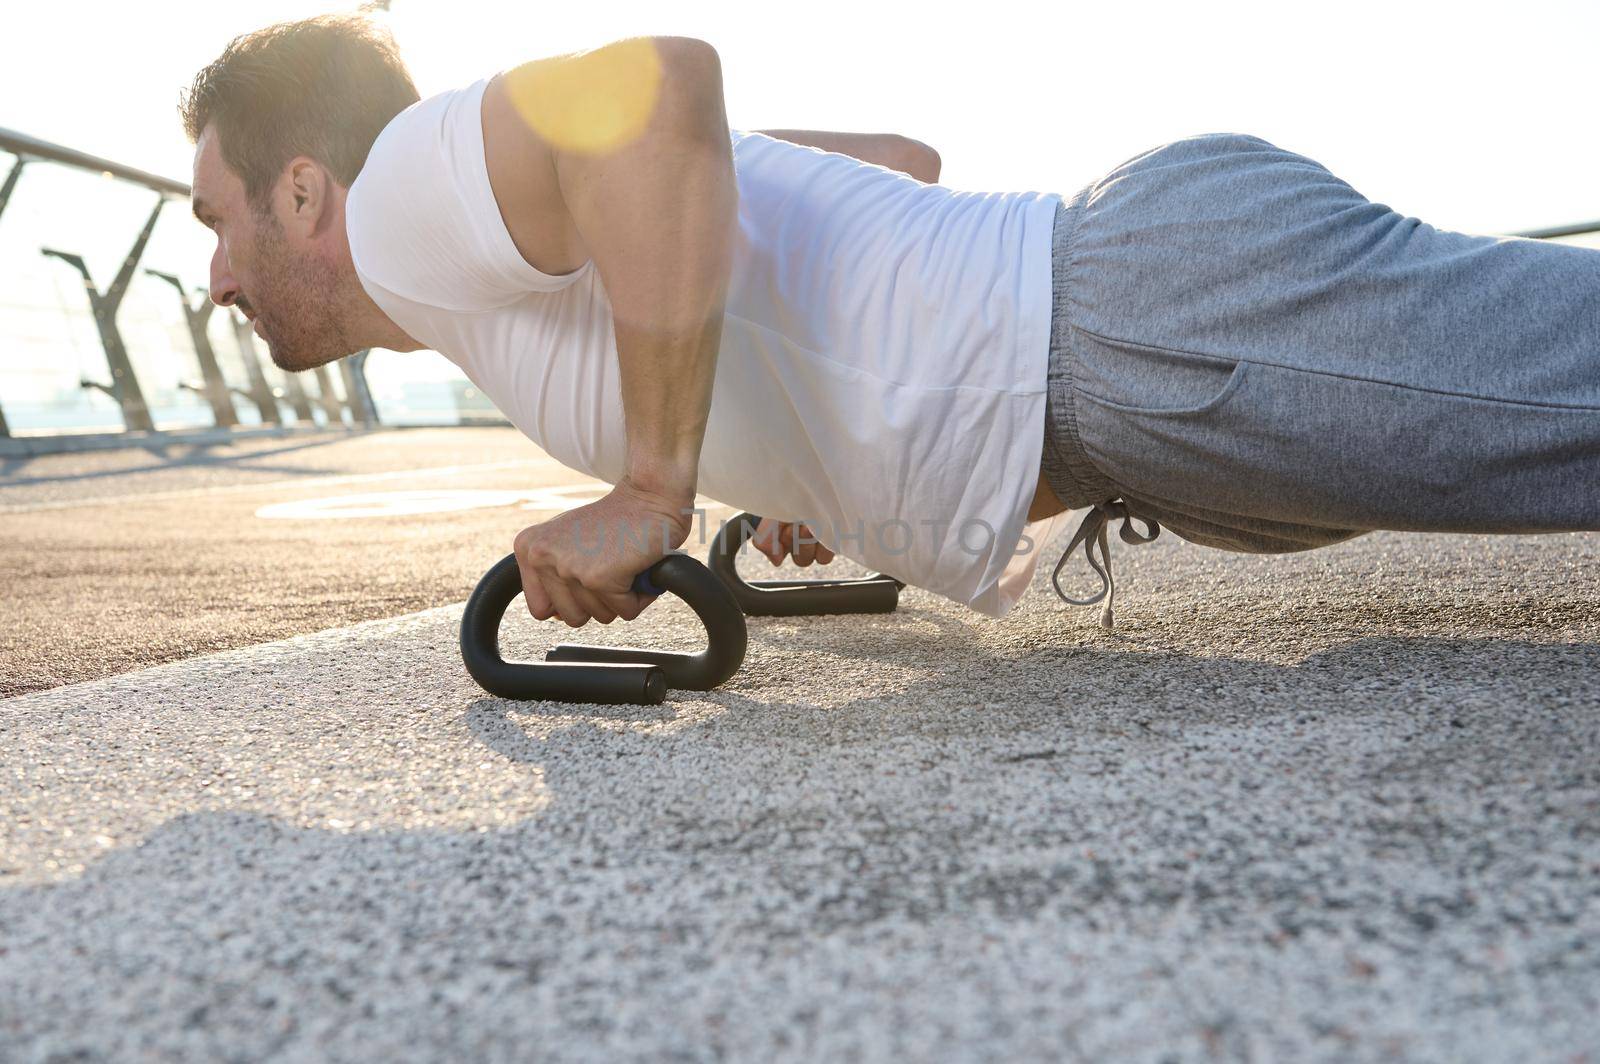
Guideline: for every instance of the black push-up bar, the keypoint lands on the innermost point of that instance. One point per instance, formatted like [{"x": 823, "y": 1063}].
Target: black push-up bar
[
  {"x": 577, "y": 673},
  {"x": 792, "y": 598}
]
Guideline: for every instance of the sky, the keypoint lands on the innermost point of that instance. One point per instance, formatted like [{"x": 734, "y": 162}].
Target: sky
[{"x": 1470, "y": 116}]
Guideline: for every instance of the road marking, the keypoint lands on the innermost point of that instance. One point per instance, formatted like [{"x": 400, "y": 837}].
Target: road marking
[
  {"x": 277, "y": 485},
  {"x": 402, "y": 503},
  {"x": 448, "y": 500}
]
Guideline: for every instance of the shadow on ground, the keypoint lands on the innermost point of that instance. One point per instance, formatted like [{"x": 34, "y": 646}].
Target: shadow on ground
[
  {"x": 1390, "y": 847},
  {"x": 176, "y": 455}
]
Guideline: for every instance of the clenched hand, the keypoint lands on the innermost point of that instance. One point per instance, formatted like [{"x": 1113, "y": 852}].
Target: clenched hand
[
  {"x": 580, "y": 565},
  {"x": 780, "y": 539}
]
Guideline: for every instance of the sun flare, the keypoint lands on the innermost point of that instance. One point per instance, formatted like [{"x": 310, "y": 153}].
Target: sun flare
[{"x": 591, "y": 102}]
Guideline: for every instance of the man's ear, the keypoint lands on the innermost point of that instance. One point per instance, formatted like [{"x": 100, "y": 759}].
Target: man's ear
[{"x": 310, "y": 196}]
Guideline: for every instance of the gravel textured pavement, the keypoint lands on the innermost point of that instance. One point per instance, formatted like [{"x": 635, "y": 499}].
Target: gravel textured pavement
[{"x": 1342, "y": 805}]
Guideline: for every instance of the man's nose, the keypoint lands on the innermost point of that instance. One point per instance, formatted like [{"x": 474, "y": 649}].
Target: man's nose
[{"x": 224, "y": 289}]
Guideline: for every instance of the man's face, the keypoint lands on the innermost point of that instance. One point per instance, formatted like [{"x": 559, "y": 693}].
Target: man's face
[{"x": 272, "y": 271}]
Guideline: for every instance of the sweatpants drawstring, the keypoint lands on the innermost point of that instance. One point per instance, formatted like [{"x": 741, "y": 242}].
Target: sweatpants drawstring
[{"x": 1092, "y": 530}]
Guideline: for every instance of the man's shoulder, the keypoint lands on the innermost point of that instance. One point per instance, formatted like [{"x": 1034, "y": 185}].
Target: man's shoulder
[
  {"x": 409, "y": 138},
  {"x": 422, "y": 216},
  {"x": 403, "y": 181},
  {"x": 411, "y": 215}
]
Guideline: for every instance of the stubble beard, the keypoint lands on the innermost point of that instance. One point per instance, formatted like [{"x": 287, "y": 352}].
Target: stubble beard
[{"x": 303, "y": 330}]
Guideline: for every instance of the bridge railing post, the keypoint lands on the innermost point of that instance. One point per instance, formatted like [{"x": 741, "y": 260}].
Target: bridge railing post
[
  {"x": 357, "y": 392},
  {"x": 124, "y": 385},
  {"x": 260, "y": 392},
  {"x": 5, "y": 197},
  {"x": 196, "y": 317}
]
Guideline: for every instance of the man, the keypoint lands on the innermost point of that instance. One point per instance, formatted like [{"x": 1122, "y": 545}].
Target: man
[{"x": 1219, "y": 335}]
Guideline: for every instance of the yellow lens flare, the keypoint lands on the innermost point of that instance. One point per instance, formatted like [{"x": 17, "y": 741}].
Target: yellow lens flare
[{"x": 590, "y": 102}]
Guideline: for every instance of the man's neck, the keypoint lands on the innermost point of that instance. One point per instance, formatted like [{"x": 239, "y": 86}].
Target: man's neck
[{"x": 368, "y": 325}]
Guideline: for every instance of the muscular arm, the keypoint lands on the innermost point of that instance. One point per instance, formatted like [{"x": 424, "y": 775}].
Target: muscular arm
[
  {"x": 889, "y": 150},
  {"x": 621, "y": 156},
  {"x": 637, "y": 174}
]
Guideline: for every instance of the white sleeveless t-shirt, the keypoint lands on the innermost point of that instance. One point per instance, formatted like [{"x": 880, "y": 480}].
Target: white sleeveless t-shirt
[{"x": 883, "y": 360}]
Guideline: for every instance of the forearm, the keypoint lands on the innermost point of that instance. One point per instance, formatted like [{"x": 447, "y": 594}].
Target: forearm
[
  {"x": 889, "y": 150},
  {"x": 657, "y": 214},
  {"x": 669, "y": 330}
]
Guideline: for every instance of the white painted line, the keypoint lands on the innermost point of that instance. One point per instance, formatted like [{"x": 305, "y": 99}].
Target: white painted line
[
  {"x": 448, "y": 500},
  {"x": 277, "y": 485},
  {"x": 205, "y": 667}
]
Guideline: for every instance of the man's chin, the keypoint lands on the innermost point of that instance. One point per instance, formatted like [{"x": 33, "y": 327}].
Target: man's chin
[{"x": 293, "y": 360}]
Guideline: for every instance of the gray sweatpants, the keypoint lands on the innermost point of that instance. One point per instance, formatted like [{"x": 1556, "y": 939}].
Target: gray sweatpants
[{"x": 1247, "y": 351}]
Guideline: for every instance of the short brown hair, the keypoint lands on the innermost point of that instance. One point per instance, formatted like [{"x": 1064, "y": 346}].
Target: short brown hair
[{"x": 322, "y": 87}]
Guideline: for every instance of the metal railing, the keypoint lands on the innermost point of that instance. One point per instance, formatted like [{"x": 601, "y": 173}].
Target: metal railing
[
  {"x": 1555, "y": 232},
  {"x": 123, "y": 384}
]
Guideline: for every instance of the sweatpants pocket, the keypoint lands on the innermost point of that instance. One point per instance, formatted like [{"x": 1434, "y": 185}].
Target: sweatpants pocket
[{"x": 1152, "y": 381}]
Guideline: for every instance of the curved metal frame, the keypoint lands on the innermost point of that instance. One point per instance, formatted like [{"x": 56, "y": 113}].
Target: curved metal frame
[
  {"x": 879, "y": 593},
  {"x": 593, "y": 674}
]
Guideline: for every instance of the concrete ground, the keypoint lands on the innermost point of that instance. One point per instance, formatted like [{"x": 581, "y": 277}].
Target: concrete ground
[
  {"x": 120, "y": 560},
  {"x": 1336, "y": 806}
]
